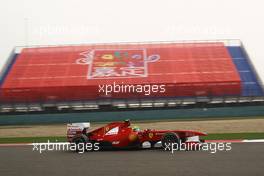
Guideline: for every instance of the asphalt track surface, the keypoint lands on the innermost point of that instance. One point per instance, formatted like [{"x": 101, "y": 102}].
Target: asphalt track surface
[{"x": 244, "y": 159}]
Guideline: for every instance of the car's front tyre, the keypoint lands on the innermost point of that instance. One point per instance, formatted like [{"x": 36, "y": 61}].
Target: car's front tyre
[{"x": 169, "y": 140}]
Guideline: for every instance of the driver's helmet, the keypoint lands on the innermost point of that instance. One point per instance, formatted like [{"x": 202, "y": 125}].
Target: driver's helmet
[
  {"x": 127, "y": 122},
  {"x": 136, "y": 128}
]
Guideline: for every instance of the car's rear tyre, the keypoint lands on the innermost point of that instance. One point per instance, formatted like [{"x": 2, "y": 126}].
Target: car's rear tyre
[
  {"x": 80, "y": 142},
  {"x": 169, "y": 140}
]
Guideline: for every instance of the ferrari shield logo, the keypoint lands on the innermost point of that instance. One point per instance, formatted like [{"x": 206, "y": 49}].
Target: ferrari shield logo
[{"x": 150, "y": 135}]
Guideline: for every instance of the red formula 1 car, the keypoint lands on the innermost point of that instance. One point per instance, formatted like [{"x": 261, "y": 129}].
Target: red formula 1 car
[{"x": 121, "y": 135}]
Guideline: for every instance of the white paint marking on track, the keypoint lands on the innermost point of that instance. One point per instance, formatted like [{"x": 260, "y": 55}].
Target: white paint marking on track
[
  {"x": 15, "y": 145},
  {"x": 236, "y": 140},
  {"x": 253, "y": 140}
]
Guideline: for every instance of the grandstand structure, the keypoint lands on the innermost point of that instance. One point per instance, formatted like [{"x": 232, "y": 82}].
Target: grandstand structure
[{"x": 59, "y": 79}]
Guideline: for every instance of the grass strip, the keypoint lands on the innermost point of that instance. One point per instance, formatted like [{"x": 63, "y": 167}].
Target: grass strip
[{"x": 218, "y": 136}]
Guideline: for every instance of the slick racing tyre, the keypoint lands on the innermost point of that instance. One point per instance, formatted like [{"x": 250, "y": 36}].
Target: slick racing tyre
[
  {"x": 170, "y": 139},
  {"x": 80, "y": 142}
]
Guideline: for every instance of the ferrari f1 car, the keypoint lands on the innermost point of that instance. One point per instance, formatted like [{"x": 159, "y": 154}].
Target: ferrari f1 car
[{"x": 122, "y": 135}]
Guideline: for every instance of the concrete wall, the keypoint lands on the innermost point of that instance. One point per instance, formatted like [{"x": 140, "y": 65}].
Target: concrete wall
[{"x": 195, "y": 113}]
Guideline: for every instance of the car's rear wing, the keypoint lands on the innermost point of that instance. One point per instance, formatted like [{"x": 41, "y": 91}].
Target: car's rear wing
[{"x": 76, "y": 128}]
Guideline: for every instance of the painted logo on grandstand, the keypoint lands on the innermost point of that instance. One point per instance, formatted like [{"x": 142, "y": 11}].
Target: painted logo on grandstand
[{"x": 116, "y": 63}]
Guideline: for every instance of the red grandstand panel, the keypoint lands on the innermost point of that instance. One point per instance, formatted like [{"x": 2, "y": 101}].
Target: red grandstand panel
[{"x": 74, "y": 72}]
